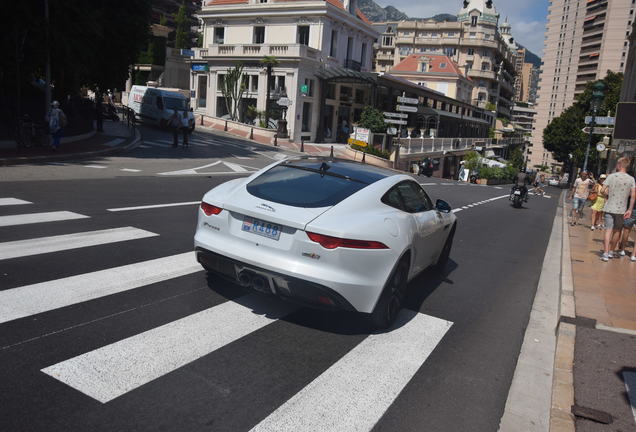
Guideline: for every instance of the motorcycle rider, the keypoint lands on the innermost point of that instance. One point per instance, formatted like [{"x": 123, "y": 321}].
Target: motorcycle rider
[{"x": 521, "y": 181}]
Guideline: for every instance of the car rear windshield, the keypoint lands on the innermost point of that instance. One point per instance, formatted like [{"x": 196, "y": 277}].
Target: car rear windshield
[{"x": 300, "y": 186}]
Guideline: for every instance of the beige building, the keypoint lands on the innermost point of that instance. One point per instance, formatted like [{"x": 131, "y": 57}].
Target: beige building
[
  {"x": 475, "y": 42},
  {"x": 437, "y": 72},
  {"x": 584, "y": 39},
  {"x": 526, "y": 79}
]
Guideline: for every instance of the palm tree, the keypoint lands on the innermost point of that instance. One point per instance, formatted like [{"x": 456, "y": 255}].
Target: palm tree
[{"x": 269, "y": 62}]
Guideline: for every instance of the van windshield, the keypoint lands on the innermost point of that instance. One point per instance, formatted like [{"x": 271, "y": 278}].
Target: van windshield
[{"x": 175, "y": 103}]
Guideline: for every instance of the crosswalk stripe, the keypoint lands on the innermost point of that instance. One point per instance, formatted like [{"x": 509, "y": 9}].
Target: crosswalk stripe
[
  {"x": 130, "y": 170},
  {"x": 13, "y": 201},
  {"x": 113, "y": 370},
  {"x": 153, "y": 206},
  {"x": 30, "y": 218},
  {"x": 95, "y": 166},
  {"x": 36, "y": 246},
  {"x": 29, "y": 300},
  {"x": 356, "y": 391},
  {"x": 234, "y": 167}
]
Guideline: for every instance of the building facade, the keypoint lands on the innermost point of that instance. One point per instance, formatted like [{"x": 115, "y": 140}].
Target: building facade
[
  {"x": 437, "y": 72},
  {"x": 312, "y": 42},
  {"x": 475, "y": 42},
  {"x": 584, "y": 39}
]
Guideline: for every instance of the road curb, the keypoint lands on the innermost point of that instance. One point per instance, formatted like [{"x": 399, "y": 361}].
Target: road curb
[
  {"x": 561, "y": 418},
  {"x": 135, "y": 140},
  {"x": 529, "y": 403}
]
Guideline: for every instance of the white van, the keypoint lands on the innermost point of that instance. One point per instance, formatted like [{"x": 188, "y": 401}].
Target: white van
[{"x": 156, "y": 106}]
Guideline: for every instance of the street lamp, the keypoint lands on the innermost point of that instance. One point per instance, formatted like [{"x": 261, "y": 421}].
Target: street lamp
[{"x": 598, "y": 93}]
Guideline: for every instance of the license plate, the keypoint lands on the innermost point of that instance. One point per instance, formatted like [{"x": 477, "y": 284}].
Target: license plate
[
  {"x": 265, "y": 229},
  {"x": 517, "y": 192}
]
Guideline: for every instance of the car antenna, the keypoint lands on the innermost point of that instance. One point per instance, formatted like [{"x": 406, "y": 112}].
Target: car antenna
[{"x": 323, "y": 169}]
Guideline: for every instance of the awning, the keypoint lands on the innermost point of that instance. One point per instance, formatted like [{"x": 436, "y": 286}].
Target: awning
[{"x": 340, "y": 73}]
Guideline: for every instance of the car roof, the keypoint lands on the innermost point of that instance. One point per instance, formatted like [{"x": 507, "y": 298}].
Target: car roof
[{"x": 358, "y": 171}]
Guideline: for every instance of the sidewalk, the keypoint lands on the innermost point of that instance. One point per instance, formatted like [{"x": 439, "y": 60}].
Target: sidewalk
[
  {"x": 115, "y": 137},
  {"x": 604, "y": 354}
]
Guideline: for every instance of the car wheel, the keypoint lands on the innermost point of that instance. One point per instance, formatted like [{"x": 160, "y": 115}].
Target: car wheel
[
  {"x": 390, "y": 302},
  {"x": 440, "y": 265}
]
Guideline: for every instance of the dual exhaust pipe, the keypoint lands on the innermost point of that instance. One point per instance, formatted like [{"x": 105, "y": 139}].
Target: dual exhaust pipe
[{"x": 253, "y": 280}]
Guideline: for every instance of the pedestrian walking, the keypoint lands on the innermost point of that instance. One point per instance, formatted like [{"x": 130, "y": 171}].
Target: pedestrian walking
[
  {"x": 57, "y": 122},
  {"x": 598, "y": 202},
  {"x": 620, "y": 189},
  {"x": 628, "y": 225},
  {"x": 185, "y": 128},
  {"x": 175, "y": 124},
  {"x": 539, "y": 187},
  {"x": 578, "y": 194}
]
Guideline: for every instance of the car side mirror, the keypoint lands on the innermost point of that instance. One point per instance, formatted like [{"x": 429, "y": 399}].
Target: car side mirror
[{"x": 442, "y": 206}]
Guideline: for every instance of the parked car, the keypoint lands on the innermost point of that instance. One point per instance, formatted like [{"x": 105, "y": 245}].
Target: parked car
[
  {"x": 156, "y": 106},
  {"x": 327, "y": 233},
  {"x": 553, "y": 181}
]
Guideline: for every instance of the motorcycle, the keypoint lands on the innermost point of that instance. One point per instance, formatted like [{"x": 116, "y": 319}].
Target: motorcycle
[{"x": 516, "y": 196}]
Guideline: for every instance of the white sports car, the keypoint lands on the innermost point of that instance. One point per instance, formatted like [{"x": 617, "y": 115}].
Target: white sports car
[{"x": 326, "y": 233}]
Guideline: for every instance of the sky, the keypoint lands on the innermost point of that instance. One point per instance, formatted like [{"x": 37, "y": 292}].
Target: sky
[{"x": 528, "y": 18}]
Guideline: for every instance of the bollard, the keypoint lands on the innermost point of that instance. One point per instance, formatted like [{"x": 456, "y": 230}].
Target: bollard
[
  {"x": 364, "y": 154},
  {"x": 275, "y": 140},
  {"x": 252, "y": 133},
  {"x": 302, "y": 145},
  {"x": 201, "y": 119},
  {"x": 331, "y": 153},
  {"x": 225, "y": 129}
]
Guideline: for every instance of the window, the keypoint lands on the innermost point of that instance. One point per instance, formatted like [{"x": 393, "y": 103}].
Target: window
[
  {"x": 473, "y": 21},
  {"x": 363, "y": 54},
  {"x": 485, "y": 66},
  {"x": 306, "y": 123},
  {"x": 359, "y": 96},
  {"x": 423, "y": 67},
  {"x": 303, "y": 35},
  {"x": 259, "y": 35},
  {"x": 409, "y": 197},
  {"x": 387, "y": 40},
  {"x": 254, "y": 85},
  {"x": 349, "y": 48},
  {"x": 472, "y": 35},
  {"x": 334, "y": 43},
  {"x": 310, "y": 87},
  {"x": 346, "y": 93},
  {"x": 219, "y": 35},
  {"x": 331, "y": 91},
  {"x": 469, "y": 65},
  {"x": 220, "y": 82}
]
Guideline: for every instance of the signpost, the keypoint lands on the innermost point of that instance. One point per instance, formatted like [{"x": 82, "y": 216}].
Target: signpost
[
  {"x": 406, "y": 100},
  {"x": 606, "y": 121},
  {"x": 396, "y": 115},
  {"x": 394, "y": 121},
  {"x": 598, "y": 130},
  {"x": 405, "y": 108}
]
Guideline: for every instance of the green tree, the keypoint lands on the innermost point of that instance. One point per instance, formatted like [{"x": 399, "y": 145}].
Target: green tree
[
  {"x": 516, "y": 158},
  {"x": 183, "y": 28},
  {"x": 373, "y": 119},
  {"x": 233, "y": 89},
  {"x": 269, "y": 62}
]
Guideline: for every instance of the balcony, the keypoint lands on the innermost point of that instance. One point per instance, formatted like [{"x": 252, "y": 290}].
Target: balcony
[
  {"x": 405, "y": 39},
  {"x": 383, "y": 56},
  {"x": 255, "y": 50},
  {"x": 440, "y": 41},
  {"x": 474, "y": 73},
  {"x": 480, "y": 43}
]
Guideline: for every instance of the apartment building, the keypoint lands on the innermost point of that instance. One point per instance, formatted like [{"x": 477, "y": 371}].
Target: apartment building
[
  {"x": 322, "y": 47},
  {"x": 485, "y": 51},
  {"x": 436, "y": 72},
  {"x": 584, "y": 39}
]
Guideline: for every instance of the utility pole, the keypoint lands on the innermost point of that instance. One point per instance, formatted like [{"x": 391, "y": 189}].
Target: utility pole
[{"x": 47, "y": 70}]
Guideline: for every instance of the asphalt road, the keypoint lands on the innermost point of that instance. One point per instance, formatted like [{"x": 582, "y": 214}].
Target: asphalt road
[{"x": 70, "y": 360}]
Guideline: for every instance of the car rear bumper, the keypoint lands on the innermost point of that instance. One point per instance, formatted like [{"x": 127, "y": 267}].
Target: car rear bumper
[{"x": 287, "y": 287}]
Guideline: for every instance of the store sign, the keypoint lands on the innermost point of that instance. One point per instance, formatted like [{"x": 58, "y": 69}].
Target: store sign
[
  {"x": 360, "y": 137},
  {"x": 304, "y": 90},
  {"x": 200, "y": 67}
]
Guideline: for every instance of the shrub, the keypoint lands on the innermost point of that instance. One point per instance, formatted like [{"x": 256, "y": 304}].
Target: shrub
[{"x": 372, "y": 150}]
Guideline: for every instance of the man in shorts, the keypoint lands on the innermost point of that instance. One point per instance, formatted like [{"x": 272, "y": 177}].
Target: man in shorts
[
  {"x": 579, "y": 192},
  {"x": 620, "y": 188}
]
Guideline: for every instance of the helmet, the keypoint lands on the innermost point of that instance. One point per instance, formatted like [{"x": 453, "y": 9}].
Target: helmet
[{"x": 55, "y": 104}]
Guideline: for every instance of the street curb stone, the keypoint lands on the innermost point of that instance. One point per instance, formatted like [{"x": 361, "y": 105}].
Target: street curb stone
[
  {"x": 529, "y": 402},
  {"x": 136, "y": 139}
]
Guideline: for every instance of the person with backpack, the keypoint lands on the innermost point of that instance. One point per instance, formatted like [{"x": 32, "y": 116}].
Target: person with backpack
[{"x": 57, "y": 122}]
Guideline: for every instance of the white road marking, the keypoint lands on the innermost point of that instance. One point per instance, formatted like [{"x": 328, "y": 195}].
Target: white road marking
[
  {"x": 457, "y": 210},
  {"x": 36, "y": 246},
  {"x": 428, "y": 184},
  {"x": 95, "y": 166},
  {"x": 30, "y": 218},
  {"x": 279, "y": 156},
  {"x": 630, "y": 385},
  {"x": 46, "y": 296},
  {"x": 497, "y": 187},
  {"x": 115, "y": 142},
  {"x": 234, "y": 167},
  {"x": 130, "y": 170},
  {"x": 13, "y": 201},
  {"x": 153, "y": 206},
  {"x": 354, "y": 393},
  {"x": 241, "y": 157},
  {"x": 111, "y": 371}
]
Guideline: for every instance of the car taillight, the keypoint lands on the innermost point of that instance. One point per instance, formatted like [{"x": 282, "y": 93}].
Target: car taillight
[
  {"x": 329, "y": 242},
  {"x": 209, "y": 209}
]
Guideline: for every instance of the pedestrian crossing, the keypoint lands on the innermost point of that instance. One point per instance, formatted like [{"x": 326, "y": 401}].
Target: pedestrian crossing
[{"x": 351, "y": 394}]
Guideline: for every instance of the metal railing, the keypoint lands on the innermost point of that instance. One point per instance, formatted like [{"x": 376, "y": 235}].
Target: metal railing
[{"x": 413, "y": 146}]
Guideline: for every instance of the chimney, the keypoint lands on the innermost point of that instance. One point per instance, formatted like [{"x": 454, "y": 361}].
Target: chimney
[{"x": 350, "y": 5}]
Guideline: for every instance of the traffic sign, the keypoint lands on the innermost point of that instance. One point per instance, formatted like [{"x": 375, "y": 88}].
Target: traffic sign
[
  {"x": 600, "y": 147},
  {"x": 607, "y": 121},
  {"x": 398, "y": 115},
  {"x": 391, "y": 130},
  {"x": 406, "y": 108},
  {"x": 406, "y": 100},
  {"x": 284, "y": 102},
  {"x": 187, "y": 53},
  {"x": 598, "y": 130},
  {"x": 392, "y": 121}
]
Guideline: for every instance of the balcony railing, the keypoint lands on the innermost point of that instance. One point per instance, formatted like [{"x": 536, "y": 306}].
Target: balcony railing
[
  {"x": 416, "y": 146},
  {"x": 255, "y": 50},
  {"x": 475, "y": 73}
]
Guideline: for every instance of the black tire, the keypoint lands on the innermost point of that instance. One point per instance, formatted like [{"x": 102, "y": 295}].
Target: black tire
[
  {"x": 516, "y": 201},
  {"x": 440, "y": 265},
  {"x": 390, "y": 302}
]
